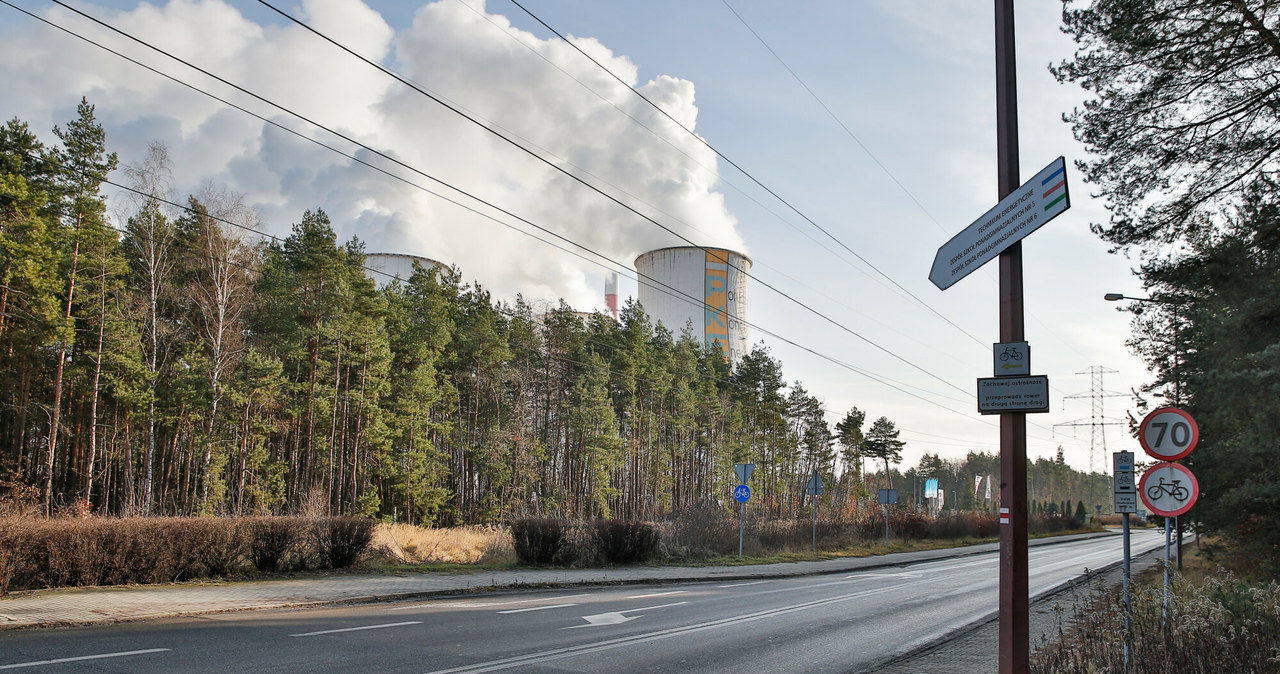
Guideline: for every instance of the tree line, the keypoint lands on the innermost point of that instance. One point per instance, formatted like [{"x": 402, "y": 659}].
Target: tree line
[{"x": 174, "y": 363}]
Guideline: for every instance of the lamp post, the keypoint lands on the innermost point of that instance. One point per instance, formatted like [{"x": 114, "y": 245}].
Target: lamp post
[{"x": 1177, "y": 383}]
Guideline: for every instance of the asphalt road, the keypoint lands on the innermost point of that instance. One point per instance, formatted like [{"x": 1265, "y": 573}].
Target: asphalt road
[{"x": 831, "y": 623}]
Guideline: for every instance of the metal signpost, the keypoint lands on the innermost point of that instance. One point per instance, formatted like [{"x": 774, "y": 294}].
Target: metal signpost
[
  {"x": 887, "y": 498},
  {"x": 815, "y": 489},
  {"x": 1126, "y": 497},
  {"x": 1023, "y": 208},
  {"x": 742, "y": 494},
  {"x": 1168, "y": 489}
]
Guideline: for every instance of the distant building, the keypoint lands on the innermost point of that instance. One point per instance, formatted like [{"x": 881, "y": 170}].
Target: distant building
[
  {"x": 382, "y": 267},
  {"x": 703, "y": 286}
]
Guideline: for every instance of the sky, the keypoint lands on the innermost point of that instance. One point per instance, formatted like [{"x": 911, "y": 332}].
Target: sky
[{"x": 873, "y": 120}]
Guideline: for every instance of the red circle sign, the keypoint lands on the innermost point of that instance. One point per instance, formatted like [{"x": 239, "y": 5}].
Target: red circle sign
[
  {"x": 1169, "y": 489},
  {"x": 1168, "y": 434}
]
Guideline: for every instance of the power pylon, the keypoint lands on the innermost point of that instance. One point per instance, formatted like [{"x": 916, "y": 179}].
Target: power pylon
[{"x": 1097, "y": 421}]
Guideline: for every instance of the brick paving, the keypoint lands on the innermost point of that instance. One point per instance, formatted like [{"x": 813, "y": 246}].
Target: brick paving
[{"x": 78, "y": 606}]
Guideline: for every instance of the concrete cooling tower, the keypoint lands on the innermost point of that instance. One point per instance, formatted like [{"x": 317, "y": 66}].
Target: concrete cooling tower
[
  {"x": 381, "y": 267},
  {"x": 704, "y": 286}
]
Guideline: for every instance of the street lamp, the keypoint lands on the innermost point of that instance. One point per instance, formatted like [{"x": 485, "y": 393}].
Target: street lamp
[{"x": 1173, "y": 308}]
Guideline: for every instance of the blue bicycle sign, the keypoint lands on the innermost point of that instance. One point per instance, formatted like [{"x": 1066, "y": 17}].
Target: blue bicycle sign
[{"x": 741, "y": 493}]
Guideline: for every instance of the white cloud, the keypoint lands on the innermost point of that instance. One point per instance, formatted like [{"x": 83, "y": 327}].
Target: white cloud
[{"x": 453, "y": 50}]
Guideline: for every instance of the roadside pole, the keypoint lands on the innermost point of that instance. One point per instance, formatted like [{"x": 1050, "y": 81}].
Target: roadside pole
[
  {"x": 1128, "y": 605},
  {"x": 1014, "y": 634},
  {"x": 1165, "y": 613},
  {"x": 1125, "y": 493}
]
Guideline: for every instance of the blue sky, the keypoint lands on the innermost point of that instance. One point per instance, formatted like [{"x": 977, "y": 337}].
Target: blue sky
[{"x": 907, "y": 161}]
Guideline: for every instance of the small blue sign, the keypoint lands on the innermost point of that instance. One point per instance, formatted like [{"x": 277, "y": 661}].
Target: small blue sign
[{"x": 742, "y": 493}]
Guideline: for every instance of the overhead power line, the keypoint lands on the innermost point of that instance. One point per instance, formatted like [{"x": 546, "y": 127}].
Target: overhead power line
[
  {"x": 753, "y": 179},
  {"x": 886, "y": 381}
]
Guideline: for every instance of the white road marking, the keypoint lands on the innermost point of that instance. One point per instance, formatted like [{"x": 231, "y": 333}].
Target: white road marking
[
  {"x": 357, "y": 629},
  {"x": 482, "y": 604},
  {"x": 81, "y": 658},
  {"x": 756, "y": 582},
  {"x": 616, "y": 617},
  {"x": 656, "y": 594},
  {"x": 535, "y": 608}
]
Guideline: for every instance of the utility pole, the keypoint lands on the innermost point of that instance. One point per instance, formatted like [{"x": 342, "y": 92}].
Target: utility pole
[{"x": 1014, "y": 634}]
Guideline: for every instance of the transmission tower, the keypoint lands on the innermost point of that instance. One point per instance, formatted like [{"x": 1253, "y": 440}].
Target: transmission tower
[{"x": 1097, "y": 421}]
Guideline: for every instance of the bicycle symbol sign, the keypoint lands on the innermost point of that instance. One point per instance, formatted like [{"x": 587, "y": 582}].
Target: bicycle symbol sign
[
  {"x": 1169, "y": 489},
  {"x": 742, "y": 493}
]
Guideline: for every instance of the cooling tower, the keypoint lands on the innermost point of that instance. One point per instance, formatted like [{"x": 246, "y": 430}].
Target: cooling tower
[
  {"x": 703, "y": 286},
  {"x": 382, "y": 267}
]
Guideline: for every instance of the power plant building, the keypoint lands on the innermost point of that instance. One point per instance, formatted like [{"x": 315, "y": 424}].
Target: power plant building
[
  {"x": 383, "y": 267},
  {"x": 703, "y": 286}
]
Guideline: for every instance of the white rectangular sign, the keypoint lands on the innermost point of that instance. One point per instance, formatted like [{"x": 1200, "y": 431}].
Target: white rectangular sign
[
  {"x": 1013, "y": 394},
  {"x": 1126, "y": 503},
  {"x": 1036, "y": 202},
  {"x": 1122, "y": 469},
  {"x": 1011, "y": 359}
]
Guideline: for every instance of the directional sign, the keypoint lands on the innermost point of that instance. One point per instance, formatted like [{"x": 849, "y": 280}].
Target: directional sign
[
  {"x": 744, "y": 471},
  {"x": 1168, "y": 434},
  {"x": 1012, "y": 359},
  {"x": 742, "y": 493},
  {"x": 1036, "y": 202},
  {"x": 997, "y": 395},
  {"x": 1169, "y": 489},
  {"x": 815, "y": 487}
]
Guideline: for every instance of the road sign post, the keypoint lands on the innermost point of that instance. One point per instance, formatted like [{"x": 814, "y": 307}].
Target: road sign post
[
  {"x": 1126, "y": 502},
  {"x": 1168, "y": 489},
  {"x": 742, "y": 494},
  {"x": 815, "y": 489}
]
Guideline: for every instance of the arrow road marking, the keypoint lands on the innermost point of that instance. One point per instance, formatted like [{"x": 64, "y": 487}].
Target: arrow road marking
[{"x": 616, "y": 617}]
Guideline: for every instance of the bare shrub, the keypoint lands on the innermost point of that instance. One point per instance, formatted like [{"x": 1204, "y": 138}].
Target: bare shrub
[
  {"x": 272, "y": 539},
  {"x": 700, "y": 532},
  {"x": 339, "y": 541},
  {"x": 1220, "y": 625},
  {"x": 626, "y": 542},
  {"x": 538, "y": 540}
]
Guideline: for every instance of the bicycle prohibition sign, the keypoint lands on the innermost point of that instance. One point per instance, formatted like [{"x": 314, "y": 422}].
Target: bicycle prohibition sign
[{"x": 1169, "y": 489}]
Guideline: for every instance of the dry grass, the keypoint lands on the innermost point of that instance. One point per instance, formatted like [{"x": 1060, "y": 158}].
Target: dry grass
[
  {"x": 458, "y": 545},
  {"x": 1219, "y": 623}
]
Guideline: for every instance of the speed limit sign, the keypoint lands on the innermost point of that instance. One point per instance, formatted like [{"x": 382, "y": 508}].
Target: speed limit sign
[{"x": 1168, "y": 434}]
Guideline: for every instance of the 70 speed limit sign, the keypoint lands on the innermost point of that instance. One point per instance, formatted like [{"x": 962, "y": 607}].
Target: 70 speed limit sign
[{"x": 1168, "y": 434}]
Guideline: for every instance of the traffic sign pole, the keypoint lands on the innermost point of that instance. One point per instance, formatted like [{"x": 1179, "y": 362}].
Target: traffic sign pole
[{"x": 1014, "y": 634}]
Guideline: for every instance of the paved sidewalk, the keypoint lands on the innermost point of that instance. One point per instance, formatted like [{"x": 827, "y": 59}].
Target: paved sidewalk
[{"x": 47, "y": 608}]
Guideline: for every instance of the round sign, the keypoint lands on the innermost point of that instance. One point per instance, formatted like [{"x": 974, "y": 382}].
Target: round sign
[
  {"x": 1168, "y": 434},
  {"x": 742, "y": 493},
  {"x": 1169, "y": 489}
]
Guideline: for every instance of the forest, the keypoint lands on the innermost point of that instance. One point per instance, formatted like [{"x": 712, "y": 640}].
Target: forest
[{"x": 163, "y": 357}]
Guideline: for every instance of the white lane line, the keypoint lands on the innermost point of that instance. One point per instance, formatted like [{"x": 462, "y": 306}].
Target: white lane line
[
  {"x": 357, "y": 629},
  {"x": 656, "y": 594},
  {"x": 535, "y": 608},
  {"x": 81, "y": 658},
  {"x": 482, "y": 604},
  {"x": 756, "y": 582}
]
